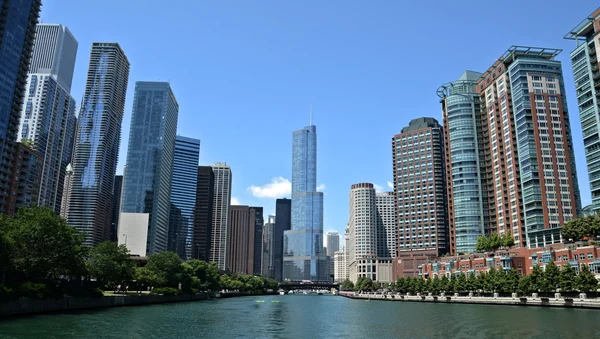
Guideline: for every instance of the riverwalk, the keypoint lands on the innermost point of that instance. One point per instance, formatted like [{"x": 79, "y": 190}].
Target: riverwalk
[{"x": 514, "y": 300}]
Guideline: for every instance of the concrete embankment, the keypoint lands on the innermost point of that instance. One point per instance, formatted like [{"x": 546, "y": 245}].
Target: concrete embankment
[
  {"x": 26, "y": 306},
  {"x": 454, "y": 299}
]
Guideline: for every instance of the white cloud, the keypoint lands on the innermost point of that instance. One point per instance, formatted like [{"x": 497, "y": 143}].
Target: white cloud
[
  {"x": 390, "y": 185},
  {"x": 321, "y": 188},
  {"x": 378, "y": 188},
  {"x": 235, "y": 201},
  {"x": 279, "y": 187}
]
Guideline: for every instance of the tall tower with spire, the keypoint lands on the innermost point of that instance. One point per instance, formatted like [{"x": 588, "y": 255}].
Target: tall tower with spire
[{"x": 304, "y": 257}]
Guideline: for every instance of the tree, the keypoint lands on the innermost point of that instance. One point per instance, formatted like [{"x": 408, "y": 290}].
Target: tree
[
  {"x": 581, "y": 228},
  {"x": 255, "y": 284},
  {"x": 508, "y": 240},
  {"x": 347, "y": 285},
  {"x": 586, "y": 281},
  {"x": 461, "y": 283},
  {"x": 551, "y": 277},
  {"x": 110, "y": 264},
  {"x": 536, "y": 278},
  {"x": 567, "y": 279},
  {"x": 512, "y": 280},
  {"x": 144, "y": 277},
  {"x": 525, "y": 285},
  {"x": 483, "y": 244},
  {"x": 495, "y": 242},
  {"x": 471, "y": 282},
  {"x": 167, "y": 267},
  {"x": 435, "y": 286},
  {"x": 44, "y": 246}
]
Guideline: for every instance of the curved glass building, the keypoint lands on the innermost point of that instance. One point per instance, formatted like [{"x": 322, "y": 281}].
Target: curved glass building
[{"x": 467, "y": 197}]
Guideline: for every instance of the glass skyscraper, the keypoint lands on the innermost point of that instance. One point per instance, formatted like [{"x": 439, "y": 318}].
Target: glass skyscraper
[
  {"x": 183, "y": 196},
  {"x": 147, "y": 183},
  {"x": 97, "y": 146},
  {"x": 304, "y": 256}
]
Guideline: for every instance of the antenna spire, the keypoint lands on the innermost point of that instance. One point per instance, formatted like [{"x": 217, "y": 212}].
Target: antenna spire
[{"x": 310, "y": 114}]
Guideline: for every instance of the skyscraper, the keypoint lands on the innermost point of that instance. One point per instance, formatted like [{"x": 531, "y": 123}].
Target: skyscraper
[
  {"x": 64, "y": 206},
  {"x": 587, "y": 85},
  {"x": 49, "y": 110},
  {"x": 116, "y": 209},
  {"x": 240, "y": 239},
  {"x": 304, "y": 257},
  {"x": 97, "y": 142},
  {"x": 268, "y": 262},
  {"x": 203, "y": 213},
  {"x": 420, "y": 188},
  {"x": 147, "y": 185},
  {"x": 531, "y": 164},
  {"x": 256, "y": 241},
  {"x": 183, "y": 196},
  {"x": 465, "y": 163},
  {"x": 283, "y": 221},
  {"x": 220, "y": 215},
  {"x": 17, "y": 31},
  {"x": 386, "y": 225},
  {"x": 333, "y": 243}
]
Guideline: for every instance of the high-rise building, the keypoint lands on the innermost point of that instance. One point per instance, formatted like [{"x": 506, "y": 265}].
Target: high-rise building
[
  {"x": 587, "y": 85},
  {"x": 116, "y": 209},
  {"x": 184, "y": 181},
  {"x": 304, "y": 257},
  {"x": 531, "y": 164},
  {"x": 147, "y": 185},
  {"x": 26, "y": 172},
  {"x": 386, "y": 224},
  {"x": 420, "y": 188},
  {"x": 48, "y": 113},
  {"x": 365, "y": 220},
  {"x": 465, "y": 163},
  {"x": 18, "y": 20},
  {"x": 203, "y": 213},
  {"x": 220, "y": 214},
  {"x": 97, "y": 142},
  {"x": 256, "y": 213},
  {"x": 341, "y": 267},
  {"x": 283, "y": 221},
  {"x": 64, "y": 206},
  {"x": 333, "y": 243},
  {"x": 268, "y": 260},
  {"x": 238, "y": 239}
]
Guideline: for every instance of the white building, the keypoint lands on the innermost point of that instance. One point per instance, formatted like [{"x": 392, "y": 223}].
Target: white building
[
  {"x": 133, "y": 232},
  {"x": 47, "y": 118},
  {"x": 370, "y": 245},
  {"x": 340, "y": 266},
  {"x": 221, "y": 203}
]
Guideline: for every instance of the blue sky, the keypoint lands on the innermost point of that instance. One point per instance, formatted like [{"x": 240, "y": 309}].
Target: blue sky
[{"x": 245, "y": 72}]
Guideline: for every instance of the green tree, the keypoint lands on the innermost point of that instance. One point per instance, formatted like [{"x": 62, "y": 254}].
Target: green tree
[
  {"x": 144, "y": 278},
  {"x": 586, "y": 281},
  {"x": 451, "y": 287},
  {"x": 461, "y": 283},
  {"x": 512, "y": 281},
  {"x": 110, "y": 264},
  {"x": 581, "y": 228},
  {"x": 536, "y": 278},
  {"x": 167, "y": 268},
  {"x": 444, "y": 284},
  {"x": 567, "y": 279},
  {"x": 255, "y": 284},
  {"x": 483, "y": 244},
  {"x": 44, "y": 247},
  {"x": 525, "y": 285},
  {"x": 551, "y": 277},
  {"x": 495, "y": 242},
  {"x": 6, "y": 247},
  {"x": 347, "y": 285},
  {"x": 508, "y": 240},
  {"x": 471, "y": 285},
  {"x": 435, "y": 286}
]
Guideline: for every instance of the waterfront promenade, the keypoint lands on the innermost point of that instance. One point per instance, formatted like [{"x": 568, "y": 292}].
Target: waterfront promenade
[{"x": 514, "y": 300}]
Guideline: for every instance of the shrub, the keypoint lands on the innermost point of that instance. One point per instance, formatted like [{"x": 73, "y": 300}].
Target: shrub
[
  {"x": 86, "y": 292},
  {"x": 166, "y": 291},
  {"x": 7, "y": 294},
  {"x": 39, "y": 291}
]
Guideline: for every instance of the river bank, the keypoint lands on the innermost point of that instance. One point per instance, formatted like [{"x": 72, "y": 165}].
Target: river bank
[{"x": 455, "y": 299}]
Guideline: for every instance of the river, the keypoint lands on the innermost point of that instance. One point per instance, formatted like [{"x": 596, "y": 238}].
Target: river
[{"x": 309, "y": 316}]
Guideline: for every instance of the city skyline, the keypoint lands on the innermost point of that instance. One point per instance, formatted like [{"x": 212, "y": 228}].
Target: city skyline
[{"x": 251, "y": 187}]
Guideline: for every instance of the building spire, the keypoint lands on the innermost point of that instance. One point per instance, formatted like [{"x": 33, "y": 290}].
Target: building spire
[{"x": 310, "y": 115}]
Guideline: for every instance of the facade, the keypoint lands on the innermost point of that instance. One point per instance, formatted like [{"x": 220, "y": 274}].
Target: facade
[
  {"x": 420, "y": 188},
  {"x": 255, "y": 262},
  {"x": 268, "y": 262},
  {"x": 184, "y": 181},
  {"x": 361, "y": 228},
  {"x": 49, "y": 109},
  {"x": 221, "y": 201},
  {"x": 239, "y": 233},
  {"x": 283, "y": 222},
  {"x": 203, "y": 213},
  {"x": 464, "y": 163},
  {"x": 18, "y": 21},
  {"x": 133, "y": 232},
  {"x": 333, "y": 243},
  {"x": 147, "y": 186},
  {"x": 587, "y": 85},
  {"x": 97, "y": 142},
  {"x": 304, "y": 257},
  {"x": 25, "y": 177},
  {"x": 64, "y": 206},
  {"x": 385, "y": 203},
  {"x": 116, "y": 210},
  {"x": 341, "y": 267},
  {"x": 531, "y": 164}
]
